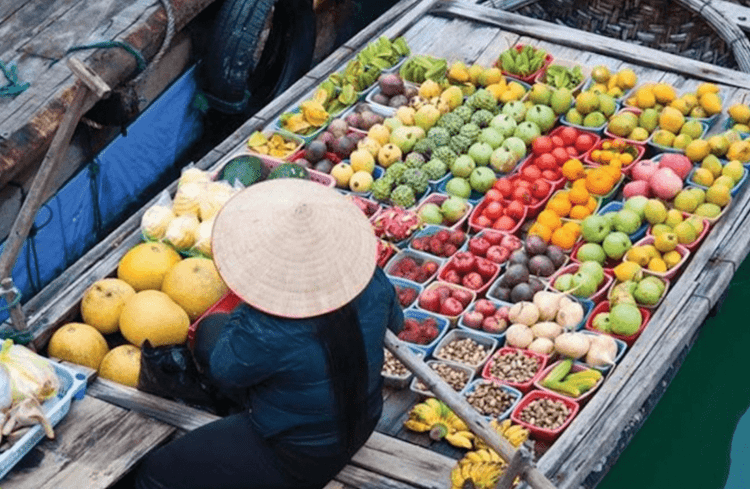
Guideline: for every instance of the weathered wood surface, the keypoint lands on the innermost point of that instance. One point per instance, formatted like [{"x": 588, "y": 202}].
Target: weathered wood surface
[
  {"x": 591, "y": 441},
  {"x": 32, "y": 34}
]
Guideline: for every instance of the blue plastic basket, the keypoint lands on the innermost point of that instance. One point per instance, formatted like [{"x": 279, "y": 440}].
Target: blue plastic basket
[
  {"x": 473, "y": 199},
  {"x": 307, "y": 138},
  {"x": 658, "y": 148},
  {"x": 517, "y": 395},
  {"x": 737, "y": 186},
  {"x": 621, "y": 348},
  {"x": 499, "y": 337},
  {"x": 72, "y": 386},
  {"x": 442, "y": 325}
]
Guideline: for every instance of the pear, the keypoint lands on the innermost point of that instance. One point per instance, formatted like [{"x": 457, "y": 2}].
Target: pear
[{"x": 560, "y": 100}]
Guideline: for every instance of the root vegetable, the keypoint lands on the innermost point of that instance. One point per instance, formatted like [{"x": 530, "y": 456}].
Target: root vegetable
[
  {"x": 602, "y": 351},
  {"x": 519, "y": 336},
  {"x": 570, "y": 315},
  {"x": 545, "y": 346},
  {"x": 572, "y": 345},
  {"x": 547, "y": 330},
  {"x": 524, "y": 312},
  {"x": 548, "y": 304}
]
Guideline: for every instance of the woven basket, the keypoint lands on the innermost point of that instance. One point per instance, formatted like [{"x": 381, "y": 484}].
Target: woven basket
[{"x": 660, "y": 24}]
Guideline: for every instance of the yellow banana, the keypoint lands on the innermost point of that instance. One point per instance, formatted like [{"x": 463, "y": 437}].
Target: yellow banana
[
  {"x": 457, "y": 423},
  {"x": 417, "y": 425},
  {"x": 459, "y": 439},
  {"x": 457, "y": 480}
]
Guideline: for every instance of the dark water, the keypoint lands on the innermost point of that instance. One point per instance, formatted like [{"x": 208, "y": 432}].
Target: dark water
[{"x": 687, "y": 439}]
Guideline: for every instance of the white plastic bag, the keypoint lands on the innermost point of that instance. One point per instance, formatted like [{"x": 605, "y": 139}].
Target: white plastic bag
[
  {"x": 30, "y": 375},
  {"x": 156, "y": 219}
]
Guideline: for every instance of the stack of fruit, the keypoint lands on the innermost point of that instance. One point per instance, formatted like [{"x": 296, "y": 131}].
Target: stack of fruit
[
  {"x": 523, "y": 61},
  {"x": 471, "y": 271},
  {"x": 617, "y": 85},
  {"x": 447, "y": 300},
  {"x": 586, "y": 280},
  {"x": 571, "y": 380},
  {"x": 493, "y": 245},
  {"x": 591, "y": 111},
  {"x": 444, "y": 210},
  {"x": 438, "y": 241},
  {"x": 615, "y": 151},
  {"x": 274, "y": 144},
  {"x": 413, "y": 266}
]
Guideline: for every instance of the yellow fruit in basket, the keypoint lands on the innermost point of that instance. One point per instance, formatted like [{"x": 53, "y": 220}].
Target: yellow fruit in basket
[
  {"x": 362, "y": 160},
  {"x": 195, "y": 285},
  {"x": 626, "y": 79},
  {"x": 664, "y": 93},
  {"x": 671, "y": 119},
  {"x": 429, "y": 89},
  {"x": 657, "y": 265},
  {"x": 705, "y": 88},
  {"x": 78, "y": 343},
  {"x": 182, "y": 231},
  {"x": 122, "y": 365},
  {"x": 102, "y": 303},
  {"x": 151, "y": 315},
  {"x": 600, "y": 73},
  {"x": 711, "y": 103},
  {"x": 193, "y": 175},
  {"x": 645, "y": 98},
  {"x": 697, "y": 149},
  {"x": 361, "y": 181},
  {"x": 144, "y": 266},
  {"x": 739, "y": 150},
  {"x": 740, "y": 113},
  {"x": 155, "y": 221},
  {"x": 672, "y": 258}
]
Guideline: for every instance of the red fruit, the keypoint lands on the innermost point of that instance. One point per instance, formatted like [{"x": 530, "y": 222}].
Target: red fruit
[
  {"x": 485, "y": 268},
  {"x": 498, "y": 254},
  {"x": 406, "y": 296},
  {"x": 522, "y": 195},
  {"x": 451, "y": 307},
  {"x": 502, "y": 312},
  {"x": 483, "y": 221},
  {"x": 531, "y": 173},
  {"x": 584, "y": 142},
  {"x": 457, "y": 237},
  {"x": 429, "y": 333},
  {"x": 572, "y": 151},
  {"x": 430, "y": 300},
  {"x": 442, "y": 235},
  {"x": 444, "y": 292},
  {"x": 420, "y": 276},
  {"x": 561, "y": 155},
  {"x": 546, "y": 162},
  {"x": 541, "y": 145},
  {"x": 504, "y": 186},
  {"x": 511, "y": 242},
  {"x": 412, "y": 336},
  {"x": 568, "y": 135},
  {"x": 420, "y": 243},
  {"x": 472, "y": 280},
  {"x": 449, "y": 249},
  {"x": 540, "y": 189},
  {"x": 493, "y": 210},
  {"x": 552, "y": 175},
  {"x": 464, "y": 297},
  {"x": 493, "y": 238},
  {"x": 521, "y": 183},
  {"x": 505, "y": 223},
  {"x": 473, "y": 319},
  {"x": 515, "y": 210},
  {"x": 493, "y": 195},
  {"x": 479, "y": 246},
  {"x": 557, "y": 141},
  {"x": 485, "y": 307},
  {"x": 464, "y": 262},
  {"x": 430, "y": 267},
  {"x": 411, "y": 324},
  {"x": 494, "y": 325},
  {"x": 452, "y": 276},
  {"x": 436, "y": 246}
]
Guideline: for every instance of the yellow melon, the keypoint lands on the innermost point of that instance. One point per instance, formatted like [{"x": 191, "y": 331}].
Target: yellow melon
[
  {"x": 144, "y": 265},
  {"x": 151, "y": 315},
  {"x": 122, "y": 365},
  {"x": 102, "y": 303},
  {"x": 195, "y": 285},
  {"x": 78, "y": 343}
]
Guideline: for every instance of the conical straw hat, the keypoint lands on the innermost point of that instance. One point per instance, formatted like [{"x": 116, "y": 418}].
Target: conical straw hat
[{"x": 293, "y": 248}]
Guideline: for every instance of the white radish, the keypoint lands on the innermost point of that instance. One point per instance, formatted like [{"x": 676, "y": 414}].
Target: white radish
[
  {"x": 572, "y": 345},
  {"x": 548, "y": 304},
  {"x": 545, "y": 346},
  {"x": 602, "y": 351},
  {"x": 547, "y": 330},
  {"x": 519, "y": 336},
  {"x": 524, "y": 312},
  {"x": 570, "y": 315}
]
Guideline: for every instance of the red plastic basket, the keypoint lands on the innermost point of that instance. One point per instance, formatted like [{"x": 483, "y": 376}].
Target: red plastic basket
[
  {"x": 225, "y": 304},
  {"x": 453, "y": 319},
  {"x": 556, "y": 184},
  {"x": 600, "y": 293},
  {"x": 530, "y": 77},
  {"x": 670, "y": 274},
  {"x": 629, "y": 339},
  {"x": 608, "y": 265},
  {"x": 691, "y": 247},
  {"x": 542, "y": 433},
  {"x": 667, "y": 283},
  {"x": 639, "y": 148},
  {"x": 521, "y": 386},
  {"x": 597, "y": 139}
]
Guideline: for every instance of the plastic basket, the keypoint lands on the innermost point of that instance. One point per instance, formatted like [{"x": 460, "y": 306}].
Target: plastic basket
[
  {"x": 615, "y": 136},
  {"x": 474, "y": 227},
  {"x": 531, "y": 76},
  {"x": 399, "y": 282},
  {"x": 489, "y": 344},
  {"x": 691, "y": 247},
  {"x": 72, "y": 386},
  {"x": 577, "y": 367},
  {"x": 268, "y": 133},
  {"x": 585, "y": 70},
  {"x": 616, "y": 206},
  {"x": 521, "y": 386},
  {"x": 603, "y": 307},
  {"x": 453, "y": 319},
  {"x": 621, "y": 348},
  {"x": 400, "y": 381},
  {"x": 474, "y": 198},
  {"x": 469, "y": 371},
  {"x": 499, "y": 337},
  {"x": 377, "y": 108},
  {"x": 438, "y": 199},
  {"x": 442, "y": 326},
  {"x": 270, "y": 163},
  {"x": 492, "y": 292},
  {"x": 307, "y": 138},
  {"x": 734, "y": 190},
  {"x": 226, "y": 304},
  {"x": 420, "y": 258},
  {"x": 542, "y": 433},
  {"x": 431, "y": 230},
  {"x": 598, "y": 130},
  {"x": 601, "y": 291},
  {"x": 658, "y": 148},
  {"x": 650, "y": 307},
  {"x": 672, "y": 272},
  {"x": 640, "y": 151},
  {"x": 515, "y": 393},
  {"x": 450, "y": 265},
  {"x": 597, "y": 138}
]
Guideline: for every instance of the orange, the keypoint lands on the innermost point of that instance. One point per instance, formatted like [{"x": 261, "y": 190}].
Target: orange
[
  {"x": 549, "y": 218},
  {"x": 540, "y": 230},
  {"x": 596, "y": 154},
  {"x": 580, "y": 183},
  {"x": 613, "y": 171},
  {"x": 598, "y": 182},
  {"x": 606, "y": 156},
  {"x": 560, "y": 206},
  {"x": 607, "y": 144},
  {"x": 572, "y": 169},
  {"x": 572, "y": 227},
  {"x": 626, "y": 158},
  {"x": 579, "y": 212},
  {"x": 564, "y": 238},
  {"x": 591, "y": 204},
  {"x": 578, "y": 195}
]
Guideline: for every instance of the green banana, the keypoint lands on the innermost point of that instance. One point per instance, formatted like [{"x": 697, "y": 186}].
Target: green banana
[
  {"x": 558, "y": 373},
  {"x": 567, "y": 389}
]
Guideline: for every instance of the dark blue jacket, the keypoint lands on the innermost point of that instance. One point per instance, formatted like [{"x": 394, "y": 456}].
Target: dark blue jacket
[{"x": 282, "y": 362}]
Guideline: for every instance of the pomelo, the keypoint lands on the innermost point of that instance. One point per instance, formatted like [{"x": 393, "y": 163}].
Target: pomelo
[
  {"x": 122, "y": 365},
  {"x": 152, "y": 315},
  {"x": 78, "y": 343},
  {"x": 195, "y": 285},
  {"x": 144, "y": 266},
  {"x": 102, "y": 303}
]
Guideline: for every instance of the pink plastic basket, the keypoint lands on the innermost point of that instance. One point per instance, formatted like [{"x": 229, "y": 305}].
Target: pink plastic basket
[
  {"x": 603, "y": 307},
  {"x": 521, "y": 386},
  {"x": 541, "y": 433}
]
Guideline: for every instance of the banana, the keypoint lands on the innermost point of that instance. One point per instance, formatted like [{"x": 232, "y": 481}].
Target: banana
[
  {"x": 417, "y": 426},
  {"x": 457, "y": 423},
  {"x": 459, "y": 439},
  {"x": 590, "y": 373},
  {"x": 558, "y": 373},
  {"x": 472, "y": 457},
  {"x": 570, "y": 390}
]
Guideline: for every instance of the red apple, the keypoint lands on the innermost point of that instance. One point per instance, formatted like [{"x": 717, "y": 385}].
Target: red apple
[
  {"x": 502, "y": 312},
  {"x": 551, "y": 175},
  {"x": 479, "y": 245},
  {"x": 511, "y": 242},
  {"x": 494, "y": 325},
  {"x": 505, "y": 223},
  {"x": 485, "y": 307},
  {"x": 430, "y": 300},
  {"x": 457, "y": 237},
  {"x": 443, "y": 292},
  {"x": 463, "y": 296},
  {"x": 452, "y": 276},
  {"x": 498, "y": 254},
  {"x": 493, "y": 238},
  {"x": 485, "y": 268},
  {"x": 515, "y": 210},
  {"x": 472, "y": 280},
  {"x": 464, "y": 262},
  {"x": 473, "y": 319},
  {"x": 483, "y": 221},
  {"x": 451, "y": 307}
]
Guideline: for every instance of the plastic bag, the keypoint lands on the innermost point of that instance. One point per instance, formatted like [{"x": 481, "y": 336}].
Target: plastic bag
[
  {"x": 202, "y": 246},
  {"x": 188, "y": 198},
  {"x": 182, "y": 232},
  {"x": 213, "y": 199},
  {"x": 30, "y": 375},
  {"x": 156, "y": 219},
  {"x": 193, "y": 174}
]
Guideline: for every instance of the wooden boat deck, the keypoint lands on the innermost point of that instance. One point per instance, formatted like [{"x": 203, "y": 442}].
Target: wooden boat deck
[{"x": 395, "y": 458}]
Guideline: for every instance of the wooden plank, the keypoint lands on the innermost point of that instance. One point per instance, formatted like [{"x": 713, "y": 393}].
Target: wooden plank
[
  {"x": 593, "y": 42},
  {"x": 501, "y": 41},
  {"x": 364, "y": 479},
  {"x": 715, "y": 281},
  {"x": 404, "y": 9},
  {"x": 734, "y": 12},
  {"x": 95, "y": 444}
]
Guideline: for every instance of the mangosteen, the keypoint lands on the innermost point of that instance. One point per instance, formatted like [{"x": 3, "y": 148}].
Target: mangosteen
[
  {"x": 410, "y": 92},
  {"x": 398, "y": 100},
  {"x": 343, "y": 147},
  {"x": 381, "y": 99},
  {"x": 541, "y": 265},
  {"x": 536, "y": 284},
  {"x": 316, "y": 151},
  {"x": 521, "y": 292},
  {"x": 327, "y": 138},
  {"x": 535, "y": 245},
  {"x": 502, "y": 293},
  {"x": 391, "y": 84},
  {"x": 338, "y": 127},
  {"x": 369, "y": 119},
  {"x": 323, "y": 166},
  {"x": 515, "y": 274},
  {"x": 354, "y": 120},
  {"x": 518, "y": 256},
  {"x": 556, "y": 254}
]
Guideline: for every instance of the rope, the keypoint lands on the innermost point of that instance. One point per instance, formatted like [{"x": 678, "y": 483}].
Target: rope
[
  {"x": 13, "y": 87},
  {"x": 139, "y": 59},
  {"x": 18, "y": 337}
]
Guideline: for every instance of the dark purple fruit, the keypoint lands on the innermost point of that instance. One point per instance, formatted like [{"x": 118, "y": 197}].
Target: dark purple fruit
[
  {"x": 343, "y": 147},
  {"x": 541, "y": 266},
  {"x": 398, "y": 101},
  {"x": 304, "y": 162},
  {"x": 521, "y": 292},
  {"x": 327, "y": 138},
  {"x": 535, "y": 245},
  {"x": 502, "y": 293},
  {"x": 315, "y": 151},
  {"x": 519, "y": 256},
  {"x": 369, "y": 119},
  {"x": 323, "y": 166},
  {"x": 381, "y": 99},
  {"x": 391, "y": 84},
  {"x": 536, "y": 284},
  {"x": 556, "y": 254},
  {"x": 515, "y": 274},
  {"x": 338, "y": 127}
]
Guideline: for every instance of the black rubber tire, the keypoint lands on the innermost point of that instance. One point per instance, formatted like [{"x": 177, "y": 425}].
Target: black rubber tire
[{"x": 231, "y": 79}]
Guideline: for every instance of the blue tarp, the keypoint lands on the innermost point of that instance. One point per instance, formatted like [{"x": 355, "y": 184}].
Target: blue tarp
[{"x": 99, "y": 195}]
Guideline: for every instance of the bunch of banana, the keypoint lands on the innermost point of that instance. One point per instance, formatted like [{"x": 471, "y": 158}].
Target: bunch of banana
[
  {"x": 514, "y": 433},
  {"x": 476, "y": 475},
  {"x": 434, "y": 416},
  {"x": 561, "y": 380},
  {"x": 524, "y": 62},
  {"x": 421, "y": 67}
]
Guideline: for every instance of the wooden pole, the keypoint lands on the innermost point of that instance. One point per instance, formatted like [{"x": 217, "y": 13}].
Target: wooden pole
[
  {"x": 90, "y": 87},
  {"x": 477, "y": 423}
]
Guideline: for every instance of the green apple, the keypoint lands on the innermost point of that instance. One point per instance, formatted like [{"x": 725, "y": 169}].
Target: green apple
[
  {"x": 616, "y": 245},
  {"x": 674, "y": 217},
  {"x": 564, "y": 282},
  {"x": 482, "y": 179},
  {"x": 625, "y": 319},
  {"x": 655, "y": 211},
  {"x": 627, "y": 221},
  {"x": 458, "y": 187},
  {"x": 463, "y": 166},
  {"x": 647, "y": 292},
  {"x": 591, "y": 252},
  {"x": 584, "y": 284},
  {"x": 595, "y": 228},
  {"x": 480, "y": 153},
  {"x": 505, "y": 124},
  {"x": 601, "y": 322},
  {"x": 637, "y": 204},
  {"x": 430, "y": 213},
  {"x": 594, "y": 269}
]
